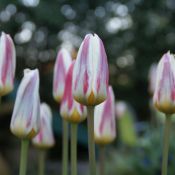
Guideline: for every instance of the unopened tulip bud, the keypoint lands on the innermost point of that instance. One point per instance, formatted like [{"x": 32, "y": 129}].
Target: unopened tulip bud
[
  {"x": 45, "y": 138},
  {"x": 70, "y": 109},
  {"x": 104, "y": 120},
  {"x": 62, "y": 64},
  {"x": 120, "y": 109},
  {"x": 26, "y": 113},
  {"x": 90, "y": 74},
  {"x": 164, "y": 95},
  {"x": 7, "y": 64}
]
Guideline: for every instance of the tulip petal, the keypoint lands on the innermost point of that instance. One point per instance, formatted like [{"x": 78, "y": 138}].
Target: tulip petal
[
  {"x": 62, "y": 64},
  {"x": 70, "y": 109},
  {"x": 45, "y": 138},
  {"x": 25, "y": 118},
  {"x": 104, "y": 120},
  {"x": 7, "y": 64}
]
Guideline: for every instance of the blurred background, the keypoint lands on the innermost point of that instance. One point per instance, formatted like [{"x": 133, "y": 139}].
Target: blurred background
[{"x": 135, "y": 34}]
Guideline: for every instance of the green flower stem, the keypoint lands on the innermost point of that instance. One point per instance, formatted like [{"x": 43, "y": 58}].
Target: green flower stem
[
  {"x": 166, "y": 144},
  {"x": 23, "y": 159},
  {"x": 102, "y": 160},
  {"x": 41, "y": 161},
  {"x": 91, "y": 143},
  {"x": 73, "y": 149},
  {"x": 65, "y": 148}
]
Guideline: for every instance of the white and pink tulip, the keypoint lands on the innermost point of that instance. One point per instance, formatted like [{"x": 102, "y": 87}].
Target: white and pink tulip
[
  {"x": 26, "y": 114},
  {"x": 7, "y": 64},
  {"x": 91, "y": 74}
]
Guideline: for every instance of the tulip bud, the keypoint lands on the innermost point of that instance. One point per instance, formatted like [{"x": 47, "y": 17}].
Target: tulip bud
[
  {"x": 7, "y": 64},
  {"x": 70, "y": 109},
  {"x": 164, "y": 95},
  {"x": 120, "y": 109},
  {"x": 26, "y": 113},
  {"x": 62, "y": 64},
  {"x": 152, "y": 78},
  {"x": 90, "y": 74},
  {"x": 104, "y": 120},
  {"x": 45, "y": 138}
]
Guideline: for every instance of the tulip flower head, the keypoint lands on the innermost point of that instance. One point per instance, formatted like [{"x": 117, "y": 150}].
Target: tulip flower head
[
  {"x": 104, "y": 120},
  {"x": 164, "y": 95},
  {"x": 26, "y": 113},
  {"x": 152, "y": 78},
  {"x": 70, "y": 109},
  {"x": 90, "y": 74},
  {"x": 120, "y": 109},
  {"x": 62, "y": 64},
  {"x": 7, "y": 64},
  {"x": 45, "y": 138}
]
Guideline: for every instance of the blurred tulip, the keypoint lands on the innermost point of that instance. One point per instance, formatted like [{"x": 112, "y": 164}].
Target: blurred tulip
[
  {"x": 120, "y": 109},
  {"x": 152, "y": 78},
  {"x": 70, "y": 109},
  {"x": 104, "y": 120},
  {"x": 164, "y": 95},
  {"x": 26, "y": 113},
  {"x": 45, "y": 138},
  {"x": 62, "y": 64},
  {"x": 126, "y": 123},
  {"x": 90, "y": 74},
  {"x": 7, "y": 64}
]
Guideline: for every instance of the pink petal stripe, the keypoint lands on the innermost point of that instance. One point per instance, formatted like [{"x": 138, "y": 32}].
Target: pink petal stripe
[
  {"x": 67, "y": 97},
  {"x": 107, "y": 114},
  {"x": 61, "y": 72},
  {"x": 83, "y": 64},
  {"x": 7, "y": 64}
]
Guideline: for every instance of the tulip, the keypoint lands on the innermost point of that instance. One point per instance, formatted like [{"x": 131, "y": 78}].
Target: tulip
[
  {"x": 25, "y": 117},
  {"x": 164, "y": 95},
  {"x": 7, "y": 64},
  {"x": 164, "y": 99},
  {"x": 73, "y": 112},
  {"x": 90, "y": 84},
  {"x": 26, "y": 114},
  {"x": 120, "y": 109},
  {"x": 104, "y": 126},
  {"x": 104, "y": 120},
  {"x": 45, "y": 138},
  {"x": 90, "y": 74},
  {"x": 62, "y": 64}
]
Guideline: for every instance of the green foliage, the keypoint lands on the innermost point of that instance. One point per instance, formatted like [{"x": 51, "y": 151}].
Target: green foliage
[
  {"x": 145, "y": 158},
  {"x": 126, "y": 129}
]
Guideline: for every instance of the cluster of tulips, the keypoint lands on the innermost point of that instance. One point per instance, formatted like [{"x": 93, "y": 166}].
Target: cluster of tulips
[{"x": 80, "y": 86}]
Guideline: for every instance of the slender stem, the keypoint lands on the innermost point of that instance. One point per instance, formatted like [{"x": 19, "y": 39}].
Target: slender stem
[
  {"x": 102, "y": 160},
  {"x": 65, "y": 148},
  {"x": 23, "y": 159},
  {"x": 41, "y": 162},
  {"x": 73, "y": 149},
  {"x": 166, "y": 144},
  {"x": 91, "y": 143}
]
